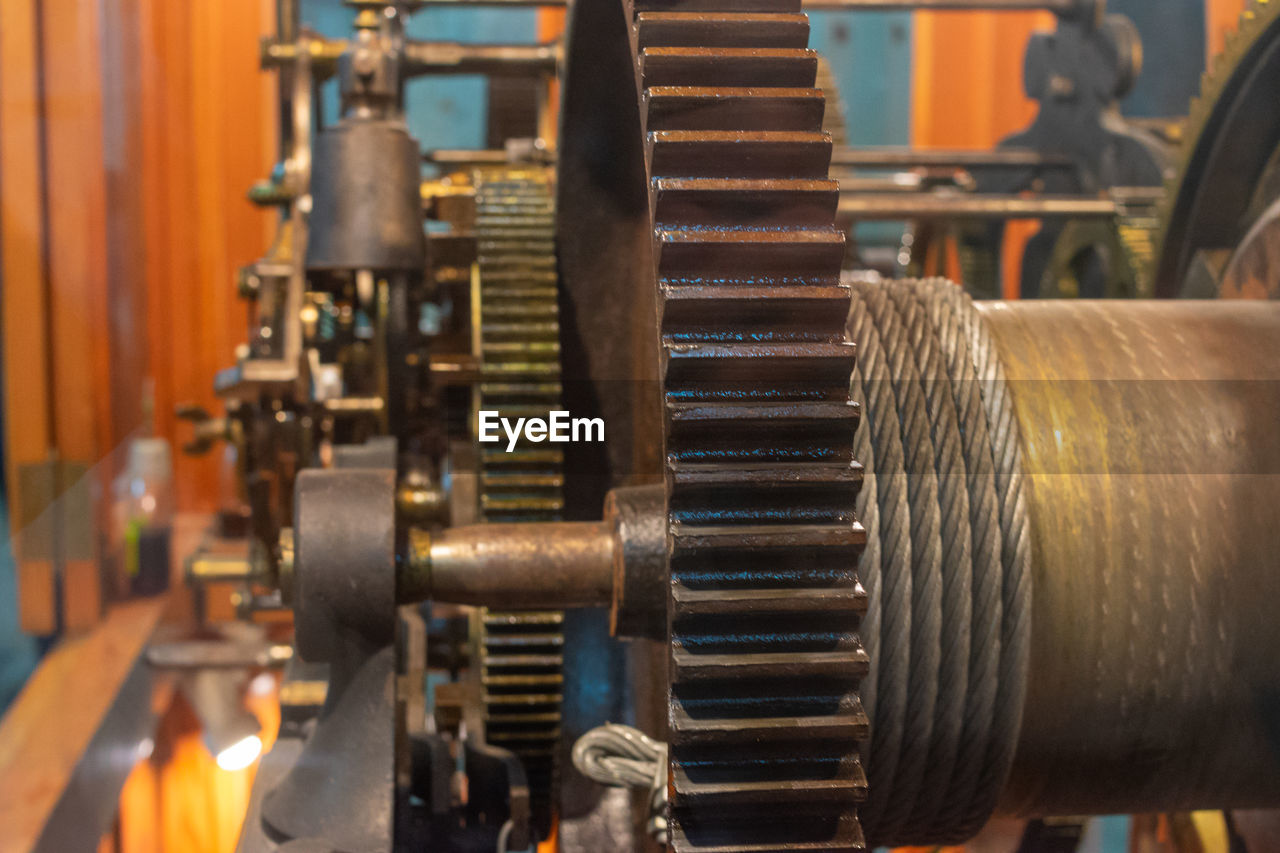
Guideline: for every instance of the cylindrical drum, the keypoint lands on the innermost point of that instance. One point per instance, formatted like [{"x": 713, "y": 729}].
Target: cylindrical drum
[
  {"x": 1073, "y": 517},
  {"x": 366, "y": 201},
  {"x": 1152, "y": 456}
]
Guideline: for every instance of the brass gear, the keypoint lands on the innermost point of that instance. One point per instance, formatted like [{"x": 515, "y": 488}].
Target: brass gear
[
  {"x": 1235, "y": 84},
  {"x": 516, "y": 335}
]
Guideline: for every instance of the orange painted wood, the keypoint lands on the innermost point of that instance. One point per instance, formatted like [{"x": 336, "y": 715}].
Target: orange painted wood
[
  {"x": 76, "y": 186},
  {"x": 1221, "y": 17},
  {"x": 27, "y": 427},
  {"x": 551, "y": 24},
  {"x": 163, "y": 91},
  {"x": 208, "y": 134},
  {"x": 180, "y": 799},
  {"x": 126, "y": 249},
  {"x": 967, "y": 92},
  {"x": 967, "y": 77},
  {"x": 52, "y": 721}
]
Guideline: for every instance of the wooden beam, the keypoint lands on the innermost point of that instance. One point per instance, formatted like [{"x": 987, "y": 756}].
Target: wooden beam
[
  {"x": 124, "y": 57},
  {"x": 76, "y": 199},
  {"x": 208, "y": 134},
  {"x": 49, "y": 728},
  {"x": 27, "y": 424}
]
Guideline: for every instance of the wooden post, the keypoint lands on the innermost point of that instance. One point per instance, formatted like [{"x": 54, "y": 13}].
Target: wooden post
[
  {"x": 76, "y": 205},
  {"x": 1221, "y": 17},
  {"x": 27, "y": 427}
]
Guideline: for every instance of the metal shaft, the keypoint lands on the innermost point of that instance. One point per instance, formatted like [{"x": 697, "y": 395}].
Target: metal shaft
[
  {"x": 856, "y": 158},
  {"x": 431, "y": 57},
  {"x": 937, "y": 206},
  {"x": 485, "y": 156},
  {"x": 1153, "y": 460},
  {"x": 526, "y": 566},
  {"x": 902, "y": 158},
  {"x": 440, "y": 57}
]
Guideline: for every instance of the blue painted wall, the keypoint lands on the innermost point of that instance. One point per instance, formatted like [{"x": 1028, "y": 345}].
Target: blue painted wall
[
  {"x": 443, "y": 112},
  {"x": 870, "y": 55},
  {"x": 869, "y": 52},
  {"x": 1173, "y": 44},
  {"x": 17, "y": 651}
]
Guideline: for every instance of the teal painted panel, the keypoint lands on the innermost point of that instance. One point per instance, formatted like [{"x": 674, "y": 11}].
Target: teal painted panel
[
  {"x": 443, "y": 112},
  {"x": 1173, "y": 47},
  {"x": 1106, "y": 835},
  {"x": 870, "y": 56},
  {"x": 870, "y": 53},
  {"x": 17, "y": 651},
  {"x": 450, "y": 112}
]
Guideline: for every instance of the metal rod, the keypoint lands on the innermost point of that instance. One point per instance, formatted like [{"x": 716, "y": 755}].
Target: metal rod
[
  {"x": 486, "y": 157},
  {"x": 994, "y": 207},
  {"x": 899, "y": 183},
  {"x": 431, "y": 57},
  {"x": 555, "y": 564},
  {"x": 899, "y": 158},
  {"x": 217, "y": 654},
  {"x": 288, "y": 25},
  {"x": 442, "y": 57}
]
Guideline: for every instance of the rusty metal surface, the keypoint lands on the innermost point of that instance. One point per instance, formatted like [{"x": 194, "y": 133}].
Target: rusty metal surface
[
  {"x": 732, "y": 239},
  {"x": 551, "y": 564},
  {"x": 638, "y": 517},
  {"x": 1154, "y": 473},
  {"x": 603, "y": 238}
]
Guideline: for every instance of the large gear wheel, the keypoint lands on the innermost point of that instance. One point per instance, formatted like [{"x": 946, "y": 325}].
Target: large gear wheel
[
  {"x": 764, "y": 718},
  {"x": 516, "y": 333},
  {"x": 1229, "y": 170}
]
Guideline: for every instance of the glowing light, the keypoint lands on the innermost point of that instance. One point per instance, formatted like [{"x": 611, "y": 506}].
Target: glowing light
[
  {"x": 240, "y": 754},
  {"x": 263, "y": 684}
]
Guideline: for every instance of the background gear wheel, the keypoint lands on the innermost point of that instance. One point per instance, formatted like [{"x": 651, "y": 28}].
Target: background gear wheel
[
  {"x": 1227, "y": 174},
  {"x": 516, "y": 334}
]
